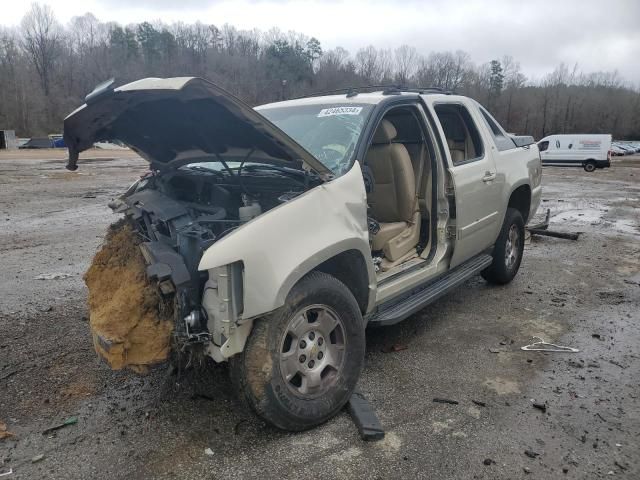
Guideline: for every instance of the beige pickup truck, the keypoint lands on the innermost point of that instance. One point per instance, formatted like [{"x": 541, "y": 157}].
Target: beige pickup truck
[{"x": 284, "y": 231}]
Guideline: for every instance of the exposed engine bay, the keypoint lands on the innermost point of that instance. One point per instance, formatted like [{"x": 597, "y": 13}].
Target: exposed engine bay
[{"x": 179, "y": 213}]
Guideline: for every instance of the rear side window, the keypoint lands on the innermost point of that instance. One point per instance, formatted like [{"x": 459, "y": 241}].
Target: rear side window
[
  {"x": 542, "y": 146},
  {"x": 503, "y": 142},
  {"x": 463, "y": 138}
]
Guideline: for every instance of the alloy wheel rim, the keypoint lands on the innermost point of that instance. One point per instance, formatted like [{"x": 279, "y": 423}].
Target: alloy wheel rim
[
  {"x": 312, "y": 351},
  {"x": 511, "y": 251}
]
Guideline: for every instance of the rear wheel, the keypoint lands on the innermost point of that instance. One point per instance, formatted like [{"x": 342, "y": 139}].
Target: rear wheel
[
  {"x": 508, "y": 250},
  {"x": 589, "y": 166},
  {"x": 301, "y": 363}
]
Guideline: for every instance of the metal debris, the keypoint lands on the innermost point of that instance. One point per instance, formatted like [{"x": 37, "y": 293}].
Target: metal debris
[
  {"x": 540, "y": 406},
  {"x": 531, "y": 454},
  {"x": 53, "y": 276},
  {"x": 364, "y": 417},
  {"x": 445, "y": 400},
  {"x": 396, "y": 347},
  {"x": 66, "y": 423},
  {"x": 542, "y": 346}
]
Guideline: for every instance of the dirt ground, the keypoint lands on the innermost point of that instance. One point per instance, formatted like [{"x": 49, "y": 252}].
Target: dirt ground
[{"x": 465, "y": 347}]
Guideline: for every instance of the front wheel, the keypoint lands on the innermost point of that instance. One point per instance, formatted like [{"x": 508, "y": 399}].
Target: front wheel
[
  {"x": 589, "y": 166},
  {"x": 301, "y": 363},
  {"x": 508, "y": 250}
]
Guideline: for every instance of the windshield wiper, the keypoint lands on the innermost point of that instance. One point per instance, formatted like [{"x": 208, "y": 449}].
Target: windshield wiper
[
  {"x": 201, "y": 168},
  {"x": 265, "y": 166}
]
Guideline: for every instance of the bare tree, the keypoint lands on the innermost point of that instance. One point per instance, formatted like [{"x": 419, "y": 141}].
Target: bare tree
[
  {"x": 367, "y": 64},
  {"x": 41, "y": 35},
  {"x": 406, "y": 59},
  {"x": 46, "y": 70}
]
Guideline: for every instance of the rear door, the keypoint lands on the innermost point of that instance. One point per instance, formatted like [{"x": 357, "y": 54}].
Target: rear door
[{"x": 476, "y": 182}]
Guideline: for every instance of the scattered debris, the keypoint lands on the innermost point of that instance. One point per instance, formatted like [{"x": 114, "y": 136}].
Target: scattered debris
[
  {"x": 66, "y": 423},
  {"x": 549, "y": 233},
  {"x": 208, "y": 451},
  {"x": 4, "y": 433},
  {"x": 620, "y": 466},
  {"x": 531, "y": 454},
  {"x": 488, "y": 461},
  {"x": 544, "y": 225},
  {"x": 479, "y": 403},
  {"x": 396, "y": 347},
  {"x": 542, "y": 346},
  {"x": 574, "y": 364},
  {"x": 497, "y": 350},
  {"x": 364, "y": 417},
  {"x": 540, "y": 406},
  {"x": 526, "y": 470},
  {"x": 445, "y": 400},
  {"x": 596, "y": 335},
  {"x": 53, "y": 276},
  {"x": 617, "y": 364},
  {"x": 8, "y": 472},
  {"x": 543, "y": 229},
  {"x": 37, "y": 458},
  {"x": 236, "y": 427}
]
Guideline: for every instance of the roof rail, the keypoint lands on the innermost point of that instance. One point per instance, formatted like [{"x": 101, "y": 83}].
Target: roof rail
[
  {"x": 386, "y": 90},
  {"x": 349, "y": 91}
]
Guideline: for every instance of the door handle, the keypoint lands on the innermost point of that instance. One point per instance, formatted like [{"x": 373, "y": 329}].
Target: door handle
[{"x": 488, "y": 176}]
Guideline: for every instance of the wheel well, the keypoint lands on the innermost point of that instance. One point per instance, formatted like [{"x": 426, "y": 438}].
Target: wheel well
[
  {"x": 521, "y": 200},
  {"x": 350, "y": 268}
]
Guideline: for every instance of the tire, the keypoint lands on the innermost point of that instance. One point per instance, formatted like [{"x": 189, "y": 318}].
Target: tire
[
  {"x": 506, "y": 255},
  {"x": 301, "y": 363},
  {"x": 589, "y": 166}
]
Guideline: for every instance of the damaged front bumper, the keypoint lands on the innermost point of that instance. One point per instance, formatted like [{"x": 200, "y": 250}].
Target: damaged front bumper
[{"x": 223, "y": 303}]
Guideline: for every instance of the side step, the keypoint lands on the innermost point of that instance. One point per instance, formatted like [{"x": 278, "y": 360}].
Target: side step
[{"x": 398, "y": 309}]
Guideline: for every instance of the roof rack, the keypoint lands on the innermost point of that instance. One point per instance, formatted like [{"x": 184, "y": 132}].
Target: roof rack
[{"x": 386, "y": 90}]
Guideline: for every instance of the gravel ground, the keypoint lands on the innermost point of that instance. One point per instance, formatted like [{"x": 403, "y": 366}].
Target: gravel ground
[{"x": 465, "y": 347}]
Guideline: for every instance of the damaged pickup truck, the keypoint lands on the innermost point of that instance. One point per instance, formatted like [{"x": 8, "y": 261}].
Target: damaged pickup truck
[{"x": 274, "y": 236}]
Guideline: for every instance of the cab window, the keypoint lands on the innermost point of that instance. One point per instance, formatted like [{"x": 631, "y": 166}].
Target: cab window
[
  {"x": 542, "y": 146},
  {"x": 463, "y": 138},
  {"x": 502, "y": 141}
]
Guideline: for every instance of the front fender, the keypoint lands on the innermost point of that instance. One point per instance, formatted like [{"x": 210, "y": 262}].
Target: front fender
[{"x": 282, "y": 245}]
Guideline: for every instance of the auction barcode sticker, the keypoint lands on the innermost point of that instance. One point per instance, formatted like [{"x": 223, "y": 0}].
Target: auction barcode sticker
[{"x": 327, "y": 112}]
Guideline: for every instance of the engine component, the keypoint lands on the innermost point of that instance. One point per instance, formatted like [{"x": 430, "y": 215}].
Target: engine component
[{"x": 250, "y": 211}]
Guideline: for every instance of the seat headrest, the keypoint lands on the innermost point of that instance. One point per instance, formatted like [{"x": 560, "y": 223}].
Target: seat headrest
[
  {"x": 451, "y": 142},
  {"x": 385, "y": 133}
]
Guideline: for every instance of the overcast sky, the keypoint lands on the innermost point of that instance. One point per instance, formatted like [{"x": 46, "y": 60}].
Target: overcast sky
[{"x": 598, "y": 35}]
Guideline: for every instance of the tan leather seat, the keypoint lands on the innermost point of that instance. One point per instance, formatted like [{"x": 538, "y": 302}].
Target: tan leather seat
[
  {"x": 457, "y": 150},
  {"x": 393, "y": 200}
]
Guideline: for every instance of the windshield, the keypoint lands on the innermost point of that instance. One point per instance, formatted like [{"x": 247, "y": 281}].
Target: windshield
[{"x": 329, "y": 132}]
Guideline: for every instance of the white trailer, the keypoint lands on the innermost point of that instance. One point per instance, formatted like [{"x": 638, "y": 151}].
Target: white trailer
[{"x": 589, "y": 151}]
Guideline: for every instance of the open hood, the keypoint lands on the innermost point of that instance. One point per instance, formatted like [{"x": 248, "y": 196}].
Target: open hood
[{"x": 174, "y": 121}]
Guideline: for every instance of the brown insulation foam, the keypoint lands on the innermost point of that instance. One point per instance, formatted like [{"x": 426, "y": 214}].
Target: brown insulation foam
[{"x": 131, "y": 324}]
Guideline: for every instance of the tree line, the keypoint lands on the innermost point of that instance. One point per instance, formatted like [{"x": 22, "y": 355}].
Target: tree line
[{"x": 46, "y": 69}]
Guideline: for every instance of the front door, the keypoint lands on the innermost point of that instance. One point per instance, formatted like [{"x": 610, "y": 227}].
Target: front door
[{"x": 477, "y": 185}]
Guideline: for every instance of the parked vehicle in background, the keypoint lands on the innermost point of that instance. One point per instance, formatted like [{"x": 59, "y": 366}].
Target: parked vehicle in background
[
  {"x": 57, "y": 140},
  {"x": 587, "y": 151},
  {"x": 626, "y": 150},
  {"x": 283, "y": 231},
  {"x": 37, "y": 142},
  {"x": 616, "y": 150}
]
